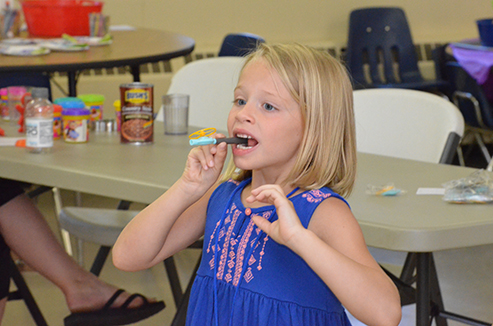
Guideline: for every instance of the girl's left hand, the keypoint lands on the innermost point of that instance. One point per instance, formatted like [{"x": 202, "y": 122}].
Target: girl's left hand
[{"x": 288, "y": 223}]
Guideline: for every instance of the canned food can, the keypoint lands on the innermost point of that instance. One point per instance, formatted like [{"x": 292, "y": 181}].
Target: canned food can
[{"x": 137, "y": 113}]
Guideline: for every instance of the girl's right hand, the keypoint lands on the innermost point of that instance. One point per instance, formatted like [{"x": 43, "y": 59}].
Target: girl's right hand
[{"x": 204, "y": 166}]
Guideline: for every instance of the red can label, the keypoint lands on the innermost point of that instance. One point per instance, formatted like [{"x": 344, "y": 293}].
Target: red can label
[{"x": 137, "y": 113}]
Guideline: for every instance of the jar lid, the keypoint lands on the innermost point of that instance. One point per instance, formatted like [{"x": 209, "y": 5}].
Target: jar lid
[
  {"x": 57, "y": 108},
  {"x": 91, "y": 98},
  {"x": 118, "y": 105},
  {"x": 3, "y": 91},
  {"x": 17, "y": 90},
  {"x": 70, "y": 102},
  {"x": 75, "y": 111}
]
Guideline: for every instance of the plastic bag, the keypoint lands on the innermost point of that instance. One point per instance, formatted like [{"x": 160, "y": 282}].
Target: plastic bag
[
  {"x": 386, "y": 190},
  {"x": 476, "y": 188}
]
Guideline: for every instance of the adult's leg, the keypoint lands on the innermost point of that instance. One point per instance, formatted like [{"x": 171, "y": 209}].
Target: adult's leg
[
  {"x": 28, "y": 235},
  {"x": 4, "y": 275}
]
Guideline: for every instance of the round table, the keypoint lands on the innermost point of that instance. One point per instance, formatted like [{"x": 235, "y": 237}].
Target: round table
[{"x": 129, "y": 48}]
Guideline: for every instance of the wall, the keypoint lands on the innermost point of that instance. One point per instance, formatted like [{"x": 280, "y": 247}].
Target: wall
[
  {"x": 207, "y": 21},
  {"x": 312, "y": 22}
]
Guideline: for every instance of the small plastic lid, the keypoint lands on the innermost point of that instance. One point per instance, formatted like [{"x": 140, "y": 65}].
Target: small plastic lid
[
  {"x": 40, "y": 92},
  {"x": 118, "y": 105},
  {"x": 91, "y": 98},
  {"x": 75, "y": 111},
  {"x": 57, "y": 108},
  {"x": 3, "y": 91},
  {"x": 70, "y": 103},
  {"x": 17, "y": 90}
]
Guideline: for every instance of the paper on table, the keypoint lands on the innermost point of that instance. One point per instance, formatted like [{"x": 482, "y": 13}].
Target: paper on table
[
  {"x": 9, "y": 141},
  {"x": 122, "y": 28},
  {"x": 430, "y": 191}
]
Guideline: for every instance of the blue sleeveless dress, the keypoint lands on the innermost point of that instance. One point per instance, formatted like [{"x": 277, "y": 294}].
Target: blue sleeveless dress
[{"x": 259, "y": 282}]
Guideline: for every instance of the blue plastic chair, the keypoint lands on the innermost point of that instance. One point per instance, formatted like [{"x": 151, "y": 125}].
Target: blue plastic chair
[
  {"x": 381, "y": 38},
  {"x": 239, "y": 45},
  {"x": 471, "y": 100}
]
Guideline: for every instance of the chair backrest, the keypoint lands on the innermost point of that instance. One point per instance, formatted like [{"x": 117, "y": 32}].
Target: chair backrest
[
  {"x": 210, "y": 84},
  {"x": 381, "y": 36},
  {"x": 239, "y": 45},
  {"x": 465, "y": 92},
  {"x": 407, "y": 124},
  {"x": 33, "y": 79}
]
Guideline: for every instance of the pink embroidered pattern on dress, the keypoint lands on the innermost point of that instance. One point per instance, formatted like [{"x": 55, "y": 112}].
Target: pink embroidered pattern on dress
[
  {"x": 315, "y": 196},
  {"x": 241, "y": 252},
  {"x": 224, "y": 251},
  {"x": 212, "y": 238}
]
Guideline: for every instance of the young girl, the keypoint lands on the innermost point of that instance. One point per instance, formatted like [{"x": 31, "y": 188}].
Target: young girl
[{"x": 281, "y": 246}]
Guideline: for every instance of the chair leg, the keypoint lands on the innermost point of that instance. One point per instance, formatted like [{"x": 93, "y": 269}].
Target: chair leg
[
  {"x": 490, "y": 166},
  {"x": 64, "y": 234},
  {"x": 481, "y": 144},
  {"x": 24, "y": 293},
  {"x": 98, "y": 263},
  {"x": 460, "y": 155},
  {"x": 181, "y": 313},
  {"x": 174, "y": 280}
]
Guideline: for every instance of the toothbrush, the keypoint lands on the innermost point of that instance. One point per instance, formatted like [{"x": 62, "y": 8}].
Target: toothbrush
[{"x": 208, "y": 141}]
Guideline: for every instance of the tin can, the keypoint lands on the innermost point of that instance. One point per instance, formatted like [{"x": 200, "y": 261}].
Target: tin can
[{"x": 137, "y": 113}]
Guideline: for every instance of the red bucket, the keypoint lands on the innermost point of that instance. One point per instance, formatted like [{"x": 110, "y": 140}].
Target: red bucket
[{"x": 52, "y": 18}]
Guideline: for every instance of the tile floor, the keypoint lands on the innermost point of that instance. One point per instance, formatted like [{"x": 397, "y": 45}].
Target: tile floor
[{"x": 465, "y": 276}]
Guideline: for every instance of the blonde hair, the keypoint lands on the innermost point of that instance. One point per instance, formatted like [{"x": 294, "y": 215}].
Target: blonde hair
[{"x": 322, "y": 88}]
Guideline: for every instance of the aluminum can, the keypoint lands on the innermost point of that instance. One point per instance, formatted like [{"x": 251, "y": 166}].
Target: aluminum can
[{"x": 137, "y": 113}]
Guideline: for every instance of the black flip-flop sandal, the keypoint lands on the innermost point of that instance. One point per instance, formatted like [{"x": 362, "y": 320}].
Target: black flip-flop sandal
[{"x": 122, "y": 315}]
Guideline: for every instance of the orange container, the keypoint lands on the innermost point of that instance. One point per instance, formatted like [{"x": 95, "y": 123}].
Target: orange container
[{"x": 52, "y": 18}]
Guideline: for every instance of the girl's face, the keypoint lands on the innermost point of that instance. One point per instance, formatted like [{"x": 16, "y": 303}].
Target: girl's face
[{"x": 264, "y": 111}]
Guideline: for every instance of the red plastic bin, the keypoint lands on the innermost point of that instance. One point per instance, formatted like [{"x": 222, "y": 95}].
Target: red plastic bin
[{"x": 52, "y": 18}]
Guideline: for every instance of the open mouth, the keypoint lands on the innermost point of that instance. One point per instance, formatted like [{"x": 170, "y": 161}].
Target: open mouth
[{"x": 251, "y": 142}]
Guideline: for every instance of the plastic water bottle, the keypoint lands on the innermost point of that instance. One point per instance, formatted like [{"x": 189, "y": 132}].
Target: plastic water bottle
[{"x": 39, "y": 122}]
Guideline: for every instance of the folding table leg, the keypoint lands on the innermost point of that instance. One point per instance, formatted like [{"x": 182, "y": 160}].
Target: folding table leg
[
  {"x": 436, "y": 295},
  {"x": 423, "y": 293}
]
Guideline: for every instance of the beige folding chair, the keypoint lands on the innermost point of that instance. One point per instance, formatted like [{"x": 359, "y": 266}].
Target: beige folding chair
[
  {"x": 412, "y": 125},
  {"x": 210, "y": 84}
]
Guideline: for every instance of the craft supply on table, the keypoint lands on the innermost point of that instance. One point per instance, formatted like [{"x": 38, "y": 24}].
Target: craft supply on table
[
  {"x": 93, "y": 102},
  {"x": 9, "y": 22},
  {"x": 385, "y": 190},
  {"x": 75, "y": 125},
  {"x": 15, "y": 94},
  {"x": 118, "y": 114},
  {"x": 476, "y": 188},
  {"x": 75, "y": 119},
  {"x": 98, "y": 24},
  {"x": 137, "y": 113},
  {"x": 4, "y": 104},
  {"x": 57, "y": 121},
  {"x": 39, "y": 122}
]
